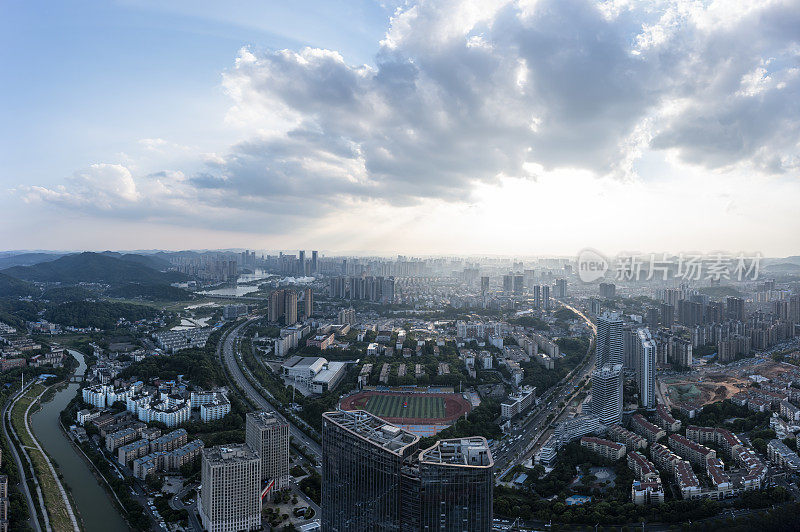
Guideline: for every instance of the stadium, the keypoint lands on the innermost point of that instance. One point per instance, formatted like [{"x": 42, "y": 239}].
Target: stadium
[{"x": 423, "y": 411}]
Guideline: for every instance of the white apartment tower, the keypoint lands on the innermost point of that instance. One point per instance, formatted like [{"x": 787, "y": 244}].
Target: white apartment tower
[
  {"x": 610, "y": 343},
  {"x": 268, "y": 436},
  {"x": 230, "y": 499},
  {"x": 607, "y": 393},
  {"x": 646, "y": 368}
]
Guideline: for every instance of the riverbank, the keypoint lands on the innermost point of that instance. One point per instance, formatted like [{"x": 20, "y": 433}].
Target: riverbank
[
  {"x": 57, "y": 508},
  {"x": 96, "y": 508}
]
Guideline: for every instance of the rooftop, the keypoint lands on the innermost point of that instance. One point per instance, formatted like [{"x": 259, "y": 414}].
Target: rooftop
[
  {"x": 229, "y": 453},
  {"x": 265, "y": 419},
  {"x": 472, "y": 452},
  {"x": 373, "y": 429}
]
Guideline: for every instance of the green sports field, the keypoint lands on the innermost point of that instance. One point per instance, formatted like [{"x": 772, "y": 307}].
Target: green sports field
[{"x": 392, "y": 406}]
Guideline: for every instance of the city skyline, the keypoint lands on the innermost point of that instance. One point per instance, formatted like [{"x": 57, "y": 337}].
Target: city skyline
[{"x": 266, "y": 127}]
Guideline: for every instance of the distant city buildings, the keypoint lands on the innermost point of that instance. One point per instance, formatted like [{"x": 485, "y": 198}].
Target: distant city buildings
[
  {"x": 369, "y": 288},
  {"x": 608, "y": 290}
]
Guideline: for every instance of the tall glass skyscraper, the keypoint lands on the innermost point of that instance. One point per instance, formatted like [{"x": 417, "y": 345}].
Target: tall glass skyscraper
[
  {"x": 456, "y": 486},
  {"x": 646, "y": 368},
  {"x": 361, "y": 460},
  {"x": 610, "y": 343},
  {"x": 374, "y": 479},
  {"x": 607, "y": 393}
]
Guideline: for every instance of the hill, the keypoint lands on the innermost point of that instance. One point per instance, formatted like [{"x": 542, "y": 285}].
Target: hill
[
  {"x": 27, "y": 259},
  {"x": 93, "y": 267},
  {"x": 150, "y": 292},
  {"x": 151, "y": 261},
  {"x": 99, "y": 314},
  {"x": 11, "y": 287}
]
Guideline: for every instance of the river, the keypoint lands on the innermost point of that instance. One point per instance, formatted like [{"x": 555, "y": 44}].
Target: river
[{"x": 92, "y": 501}]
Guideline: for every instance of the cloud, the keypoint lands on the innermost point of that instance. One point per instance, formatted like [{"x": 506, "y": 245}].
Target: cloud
[{"x": 465, "y": 93}]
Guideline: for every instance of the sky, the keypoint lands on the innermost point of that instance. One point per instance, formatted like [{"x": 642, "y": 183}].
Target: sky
[{"x": 417, "y": 127}]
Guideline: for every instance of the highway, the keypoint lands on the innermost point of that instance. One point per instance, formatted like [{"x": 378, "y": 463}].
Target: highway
[
  {"x": 528, "y": 434},
  {"x": 228, "y": 353}
]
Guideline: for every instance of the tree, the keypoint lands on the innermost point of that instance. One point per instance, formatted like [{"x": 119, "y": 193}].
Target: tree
[{"x": 154, "y": 482}]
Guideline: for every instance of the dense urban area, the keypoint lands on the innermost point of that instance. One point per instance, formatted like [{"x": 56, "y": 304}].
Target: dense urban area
[{"x": 244, "y": 390}]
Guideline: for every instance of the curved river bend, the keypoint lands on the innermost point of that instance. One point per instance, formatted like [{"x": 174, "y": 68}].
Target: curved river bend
[{"x": 92, "y": 501}]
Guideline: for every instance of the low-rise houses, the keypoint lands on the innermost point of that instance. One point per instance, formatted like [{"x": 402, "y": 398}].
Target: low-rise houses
[
  {"x": 217, "y": 408},
  {"x": 632, "y": 441},
  {"x": 644, "y": 428},
  {"x": 715, "y": 469},
  {"x": 647, "y": 492},
  {"x": 384, "y": 376},
  {"x": 664, "y": 419},
  {"x": 687, "y": 480},
  {"x": 565, "y": 432},
  {"x": 784, "y": 457},
  {"x": 364, "y": 374},
  {"x": 518, "y": 402},
  {"x": 643, "y": 468},
  {"x": 607, "y": 449},
  {"x": 172, "y": 341},
  {"x": 121, "y": 437},
  {"x": 789, "y": 411},
  {"x": 664, "y": 458},
  {"x": 694, "y": 452},
  {"x": 169, "y": 406}
]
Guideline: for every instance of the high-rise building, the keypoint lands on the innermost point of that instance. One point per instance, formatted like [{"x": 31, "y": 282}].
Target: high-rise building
[
  {"x": 794, "y": 309},
  {"x": 508, "y": 283},
  {"x": 652, "y": 317},
  {"x": 610, "y": 344},
  {"x": 667, "y": 315},
  {"x": 630, "y": 340},
  {"x": 314, "y": 264},
  {"x": 484, "y": 285},
  {"x": 690, "y": 313},
  {"x": 537, "y": 296},
  {"x": 301, "y": 262},
  {"x": 607, "y": 393},
  {"x": 735, "y": 308},
  {"x": 646, "y": 368},
  {"x": 519, "y": 284},
  {"x": 362, "y": 456},
  {"x": 276, "y": 305},
  {"x": 608, "y": 290},
  {"x": 545, "y": 297},
  {"x": 230, "y": 499},
  {"x": 290, "y": 307},
  {"x": 268, "y": 436},
  {"x": 308, "y": 303},
  {"x": 561, "y": 288},
  {"x": 283, "y": 306},
  {"x": 455, "y": 483}
]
